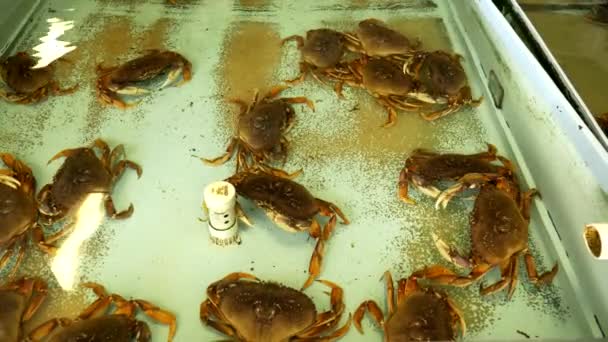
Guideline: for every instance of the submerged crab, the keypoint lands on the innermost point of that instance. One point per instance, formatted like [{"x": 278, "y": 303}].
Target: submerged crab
[
  {"x": 424, "y": 168},
  {"x": 129, "y": 78},
  {"x": 81, "y": 174},
  {"x": 421, "y": 314},
  {"x": 18, "y": 212},
  {"x": 321, "y": 51},
  {"x": 260, "y": 130},
  {"x": 499, "y": 236},
  {"x": 95, "y": 324},
  {"x": 19, "y": 301},
  {"x": 441, "y": 80},
  {"x": 374, "y": 38},
  {"x": 252, "y": 310},
  {"x": 384, "y": 80},
  {"x": 28, "y": 85},
  {"x": 292, "y": 207}
]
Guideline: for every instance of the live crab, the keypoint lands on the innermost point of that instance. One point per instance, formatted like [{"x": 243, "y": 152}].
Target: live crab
[
  {"x": 424, "y": 168},
  {"x": 261, "y": 129},
  {"x": 292, "y": 207},
  {"x": 128, "y": 78},
  {"x": 96, "y": 324},
  {"x": 28, "y": 85},
  {"x": 499, "y": 236},
  {"x": 418, "y": 314},
  {"x": 247, "y": 309},
  {"x": 18, "y": 212},
  {"x": 83, "y": 173}
]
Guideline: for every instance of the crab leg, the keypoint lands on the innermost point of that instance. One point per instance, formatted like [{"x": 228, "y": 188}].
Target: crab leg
[
  {"x": 159, "y": 315},
  {"x": 105, "y": 151},
  {"x": 444, "y": 276},
  {"x": 314, "y": 268},
  {"x": 506, "y": 270},
  {"x": 46, "y": 328},
  {"x": 544, "y": 278},
  {"x": 330, "y": 318},
  {"x": 37, "y": 289},
  {"x": 300, "y": 99},
  {"x": 390, "y": 293},
  {"x": 404, "y": 186},
  {"x": 456, "y": 312},
  {"x": 40, "y": 241},
  {"x": 206, "y": 311},
  {"x": 375, "y": 312},
  {"x": 65, "y": 153},
  {"x": 467, "y": 181},
  {"x": 57, "y": 90},
  {"x": 514, "y": 275},
  {"x": 122, "y": 165},
  {"x": 328, "y": 209},
  {"x": 111, "y": 210},
  {"x": 223, "y": 158}
]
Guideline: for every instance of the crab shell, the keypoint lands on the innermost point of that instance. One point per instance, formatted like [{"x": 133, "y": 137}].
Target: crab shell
[
  {"x": 323, "y": 48},
  {"x": 379, "y": 40},
  {"x": 498, "y": 228},
  {"x": 441, "y": 73},
  {"x": 18, "y": 74},
  {"x": 286, "y": 202},
  {"x": 118, "y": 328},
  {"x": 80, "y": 175},
  {"x": 18, "y": 213},
  {"x": 264, "y": 311},
  {"x": 263, "y": 127},
  {"x": 384, "y": 77},
  {"x": 428, "y": 167},
  {"x": 147, "y": 67},
  {"x": 422, "y": 316}
]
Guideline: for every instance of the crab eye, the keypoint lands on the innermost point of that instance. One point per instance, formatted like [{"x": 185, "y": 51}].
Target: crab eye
[{"x": 265, "y": 312}]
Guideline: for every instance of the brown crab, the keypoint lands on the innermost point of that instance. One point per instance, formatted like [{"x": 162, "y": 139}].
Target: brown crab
[
  {"x": 499, "y": 236},
  {"x": 292, "y": 207},
  {"x": 383, "y": 79},
  {"x": 247, "y": 309},
  {"x": 28, "y": 85},
  {"x": 95, "y": 324},
  {"x": 321, "y": 51},
  {"x": 261, "y": 130},
  {"x": 423, "y": 168},
  {"x": 18, "y": 211},
  {"x": 374, "y": 38},
  {"x": 19, "y": 301},
  {"x": 421, "y": 314},
  {"x": 129, "y": 78},
  {"x": 440, "y": 80},
  {"x": 82, "y": 174}
]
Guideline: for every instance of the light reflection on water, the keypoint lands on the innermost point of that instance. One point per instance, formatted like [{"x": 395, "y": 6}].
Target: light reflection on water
[
  {"x": 88, "y": 218},
  {"x": 52, "y": 48}
]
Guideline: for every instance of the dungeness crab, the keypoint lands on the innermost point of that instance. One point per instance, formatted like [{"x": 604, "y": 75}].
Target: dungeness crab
[
  {"x": 129, "y": 78},
  {"x": 440, "y": 79},
  {"x": 81, "y": 174},
  {"x": 321, "y": 51},
  {"x": 499, "y": 236},
  {"x": 261, "y": 127},
  {"x": 19, "y": 301},
  {"x": 95, "y": 324},
  {"x": 248, "y": 310},
  {"x": 28, "y": 85},
  {"x": 419, "y": 314},
  {"x": 18, "y": 211},
  {"x": 292, "y": 207},
  {"x": 375, "y": 39},
  {"x": 423, "y": 168}
]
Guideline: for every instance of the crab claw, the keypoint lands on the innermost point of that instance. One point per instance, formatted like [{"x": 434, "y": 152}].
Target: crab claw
[
  {"x": 9, "y": 181},
  {"x": 450, "y": 253}
]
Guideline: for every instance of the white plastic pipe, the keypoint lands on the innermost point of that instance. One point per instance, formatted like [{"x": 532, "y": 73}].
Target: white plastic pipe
[{"x": 220, "y": 206}]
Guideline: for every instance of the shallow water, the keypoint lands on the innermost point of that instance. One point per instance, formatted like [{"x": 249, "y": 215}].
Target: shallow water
[{"x": 163, "y": 254}]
